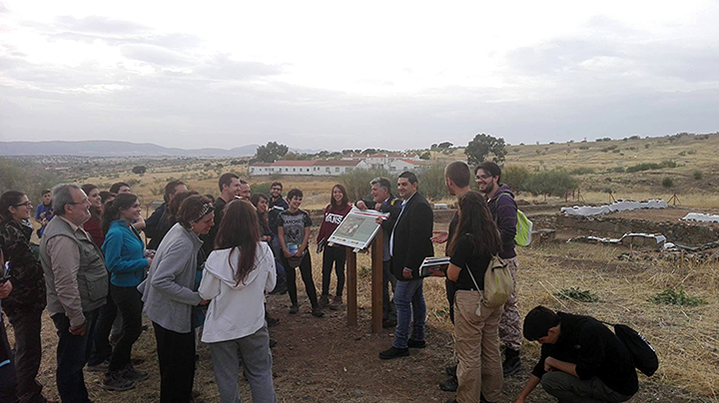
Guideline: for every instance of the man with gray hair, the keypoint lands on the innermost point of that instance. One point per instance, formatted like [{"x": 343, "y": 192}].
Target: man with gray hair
[
  {"x": 385, "y": 202},
  {"x": 76, "y": 280}
]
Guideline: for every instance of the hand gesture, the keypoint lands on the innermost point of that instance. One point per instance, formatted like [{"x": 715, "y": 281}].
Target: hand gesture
[
  {"x": 439, "y": 236},
  {"x": 360, "y": 205},
  {"x": 5, "y": 289},
  {"x": 407, "y": 273},
  {"x": 78, "y": 330}
]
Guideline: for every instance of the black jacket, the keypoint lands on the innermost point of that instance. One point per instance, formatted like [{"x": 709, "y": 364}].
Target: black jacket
[
  {"x": 156, "y": 226},
  {"x": 412, "y": 233},
  {"x": 596, "y": 351}
]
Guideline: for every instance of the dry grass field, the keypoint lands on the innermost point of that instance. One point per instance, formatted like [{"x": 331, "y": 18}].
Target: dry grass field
[{"x": 322, "y": 360}]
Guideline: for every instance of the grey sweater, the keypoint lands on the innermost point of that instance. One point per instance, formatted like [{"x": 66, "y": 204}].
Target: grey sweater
[{"x": 167, "y": 291}]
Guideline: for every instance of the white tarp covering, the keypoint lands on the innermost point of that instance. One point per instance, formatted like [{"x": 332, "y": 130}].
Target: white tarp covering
[
  {"x": 701, "y": 217},
  {"x": 659, "y": 238},
  {"x": 622, "y": 205}
]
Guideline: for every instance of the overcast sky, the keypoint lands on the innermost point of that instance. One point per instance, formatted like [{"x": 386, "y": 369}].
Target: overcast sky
[{"x": 338, "y": 74}]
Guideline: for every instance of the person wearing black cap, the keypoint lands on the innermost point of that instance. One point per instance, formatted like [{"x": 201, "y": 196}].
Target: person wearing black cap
[{"x": 581, "y": 361}]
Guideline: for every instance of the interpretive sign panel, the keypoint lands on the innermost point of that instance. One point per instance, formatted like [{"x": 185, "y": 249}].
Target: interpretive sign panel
[{"x": 357, "y": 229}]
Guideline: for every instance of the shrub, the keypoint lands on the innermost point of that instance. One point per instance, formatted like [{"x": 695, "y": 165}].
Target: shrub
[
  {"x": 431, "y": 182},
  {"x": 554, "y": 183},
  {"x": 576, "y": 294},
  {"x": 618, "y": 169},
  {"x": 514, "y": 176},
  {"x": 139, "y": 169},
  {"x": 357, "y": 182},
  {"x": 582, "y": 171},
  {"x": 646, "y": 166},
  {"x": 697, "y": 174},
  {"x": 667, "y": 182},
  {"x": 671, "y": 297},
  {"x": 263, "y": 187},
  {"x": 584, "y": 147},
  {"x": 27, "y": 176},
  {"x": 646, "y": 145}
]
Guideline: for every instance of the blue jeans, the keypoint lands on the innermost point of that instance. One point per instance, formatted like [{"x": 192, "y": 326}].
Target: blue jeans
[
  {"x": 72, "y": 354},
  {"x": 409, "y": 300}
]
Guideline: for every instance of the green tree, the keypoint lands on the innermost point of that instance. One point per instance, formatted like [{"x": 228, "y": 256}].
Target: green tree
[
  {"x": 514, "y": 176},
  {"x": 444, "y": 144},
  {"x": 139, "y": 169},
  {"x": 483, "y": 145},
  {"x": 425, "y": 155},
  {"x": 271, "y": 152},
  {"x": 553, "y": 183}
]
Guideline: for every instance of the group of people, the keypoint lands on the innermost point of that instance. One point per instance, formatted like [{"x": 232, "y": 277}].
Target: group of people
[{"x": 211, "y": 263}]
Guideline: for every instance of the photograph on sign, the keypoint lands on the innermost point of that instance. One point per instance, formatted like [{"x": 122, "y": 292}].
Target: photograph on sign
[{"x": 357, "y": 229}]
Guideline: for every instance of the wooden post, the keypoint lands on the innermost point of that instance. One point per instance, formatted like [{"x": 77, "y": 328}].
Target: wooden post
[
  {"x": 351, "y": 287},
  {"x": 377, "y": 271}
]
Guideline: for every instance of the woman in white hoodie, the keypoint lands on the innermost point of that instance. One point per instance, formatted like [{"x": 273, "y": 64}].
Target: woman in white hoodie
[{"x": 237, "y": 274}]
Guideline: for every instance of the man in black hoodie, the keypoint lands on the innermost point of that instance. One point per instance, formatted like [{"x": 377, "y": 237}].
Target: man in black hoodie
[
  {"x": 582, "y": 360},
  {"x": 504, "y": 211}
]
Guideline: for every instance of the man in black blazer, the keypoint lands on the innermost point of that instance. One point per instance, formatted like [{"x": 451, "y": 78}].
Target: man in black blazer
[{"x": 409, "y": 244}]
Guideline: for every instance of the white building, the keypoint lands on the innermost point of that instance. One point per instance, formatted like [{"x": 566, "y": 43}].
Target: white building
[
  {"x": 401, "y": 165},
  {"x": 306, "y": 167}
]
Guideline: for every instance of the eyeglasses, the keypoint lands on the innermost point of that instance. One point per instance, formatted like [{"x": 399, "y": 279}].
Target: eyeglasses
[
  {"x": 483, "y": 176},
  {"x": 26, "y": 204}
]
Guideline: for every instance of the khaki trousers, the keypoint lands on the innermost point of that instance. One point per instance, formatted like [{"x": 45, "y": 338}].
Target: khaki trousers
[{"x": 477, "y": 347}]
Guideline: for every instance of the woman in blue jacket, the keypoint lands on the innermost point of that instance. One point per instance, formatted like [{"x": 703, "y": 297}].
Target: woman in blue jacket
[{"x": 126, "y": 261}]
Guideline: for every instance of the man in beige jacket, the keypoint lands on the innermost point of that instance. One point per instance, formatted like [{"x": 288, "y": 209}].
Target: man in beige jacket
[{"x": 76, "y": 280}]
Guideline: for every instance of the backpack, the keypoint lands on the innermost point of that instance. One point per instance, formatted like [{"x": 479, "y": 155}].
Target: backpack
[
  {"x": 498, "y": 284},
  {"x": 643, "y": 354},
  {"x": 523, "y": 237}
]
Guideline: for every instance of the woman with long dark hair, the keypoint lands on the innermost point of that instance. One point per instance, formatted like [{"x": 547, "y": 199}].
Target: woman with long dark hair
[
  {"x": 471, "y": 248},
  {"x": 126, "y": 261},
  {"x": 25, "y": 303},
  {"x": 169, "y": 298},
  {"x": 237, "y": 274},
  {"x": 260, "y": 201},
  {"x": 335, "y": 212}
]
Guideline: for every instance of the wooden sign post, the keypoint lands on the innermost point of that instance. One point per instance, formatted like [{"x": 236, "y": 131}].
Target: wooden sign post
[{"x": 377, "y": 269}]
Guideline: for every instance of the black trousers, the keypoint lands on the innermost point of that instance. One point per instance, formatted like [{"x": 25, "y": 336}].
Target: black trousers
[
  {"x": 27, "y": 354},
  {"x": 333, "y": 255},
  {"x": 8, "y": 381},
  {"x": 306, "y": 273},
  {"x": 176, "y": 354},
  {"x": 101, "y": 348},
  {"x": 72, "y": 353},
  {"x": 451, "y": 288},
  {"x": 129, "y": 303}
]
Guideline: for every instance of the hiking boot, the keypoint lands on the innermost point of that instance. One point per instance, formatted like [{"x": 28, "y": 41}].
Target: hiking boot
[
  {"x": 411, "y": 343},
  {"x": 114, "y": 382},
  {"x": 317, "y": 312},
  {"x": 131, "y": 374},
  {"x": 101, "y": 367},
  {"x": 393, "y": 352},
  {"x": 451, "y": 370},
  {"x": 273, "y": 343},
  {"x": 324, "y": 301},
  {"x": 294, "y": 309},
  {"x": 336, "y": 303},
  {"x": 512, "y": 363},
  {"x": 449, "y": 385}
]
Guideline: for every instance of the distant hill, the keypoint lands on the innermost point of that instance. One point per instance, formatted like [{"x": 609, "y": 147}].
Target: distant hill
[{"x": 102, "y": 148}]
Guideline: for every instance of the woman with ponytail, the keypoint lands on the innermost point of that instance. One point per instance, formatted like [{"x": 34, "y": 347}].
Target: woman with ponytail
[
  {"x": 126, "y": 261},
  {"x": 25, "y": 303}
]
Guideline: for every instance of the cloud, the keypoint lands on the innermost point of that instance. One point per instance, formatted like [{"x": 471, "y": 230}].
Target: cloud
[
  {"x": 99, "y": 25},
  {"x": 155, "y": 55}
]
